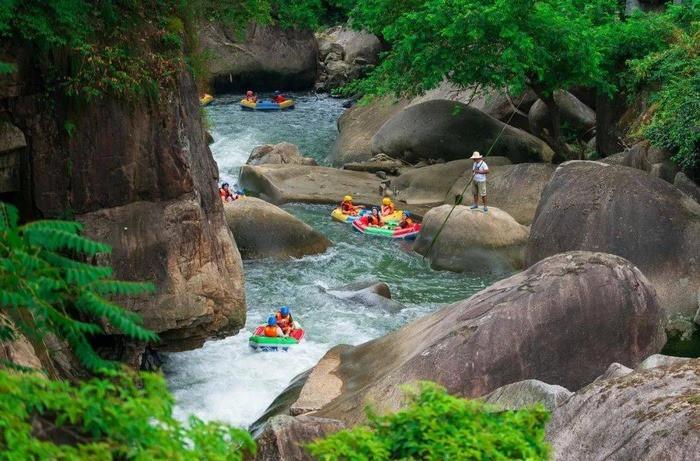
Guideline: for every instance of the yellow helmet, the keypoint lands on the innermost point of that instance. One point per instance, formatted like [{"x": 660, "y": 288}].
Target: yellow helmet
[
  {"x": 386, "y": 201},
  {"x": 347, "y": 198}
]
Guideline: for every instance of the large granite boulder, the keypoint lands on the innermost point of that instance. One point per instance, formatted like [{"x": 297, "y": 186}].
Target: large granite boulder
[
  {"x": 516, "y": 189},
  {"x": 283, "y": 153},
  {"x": 498, "y": 104},
  {"x": 528, "y": 393},
  {"x": 451, "y": 130},
  {"x": 265, "y": 57},
  {"x": 562, "y": 321},
  {"x": 575, "y": 114},
  {"x": 310, "y": 184},
  {"x": 264, "y": 230},
  {"x": 345, "y": 54},
  {"x": 597, "y": 207},
  {"x": 687, "y": 185},
  {"x": 472, "y": 241},
  {"x": 284, "y": 437},
  {"x": 357, "y": 125},
  {"x": 645, "y": 415},
  {"x": 657, "y": 162}
]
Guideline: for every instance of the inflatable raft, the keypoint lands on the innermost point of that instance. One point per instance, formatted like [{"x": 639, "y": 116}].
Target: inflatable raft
[
  {"x": 262, "y": 343},
  {"x": 394, "y": 232},
  {"x": 267, "y": 105},
  {"x": 206, "y": 99},
  {"x": 339, "y": 216}
]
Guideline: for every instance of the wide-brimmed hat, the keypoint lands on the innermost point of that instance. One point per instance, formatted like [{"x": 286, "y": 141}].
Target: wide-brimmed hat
[{"x": 476, "y": 155}]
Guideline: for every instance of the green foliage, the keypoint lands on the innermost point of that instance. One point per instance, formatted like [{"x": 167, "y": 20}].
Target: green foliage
[
  {"x": 46, "y": 288},
  {"x": 121, "y": 416},
  {"x": 674, "y": 123},
  {"x": 437, "y": 426}
]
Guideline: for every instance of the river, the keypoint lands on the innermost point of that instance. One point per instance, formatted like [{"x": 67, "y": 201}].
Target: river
[{"x": 226, "y": 381}]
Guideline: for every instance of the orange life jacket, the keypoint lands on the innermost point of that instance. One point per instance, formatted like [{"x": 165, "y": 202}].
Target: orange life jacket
[
  {"x": 374, "y": 220},
  {"x": 270, "y": 331},
  {"x": 284, "y": 322},
  {"x": 347, "y": 207}
]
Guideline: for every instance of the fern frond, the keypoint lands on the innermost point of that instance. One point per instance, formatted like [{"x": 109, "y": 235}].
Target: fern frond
[
  {"x": 8, "y": 216},
  {"x": 126, "y": 322},
  {"x": 13, "y": 298},
  {"x": 63, "y": 262},
  {"x": 72, "y": 227},
  {"x": 121, "y": 288}
]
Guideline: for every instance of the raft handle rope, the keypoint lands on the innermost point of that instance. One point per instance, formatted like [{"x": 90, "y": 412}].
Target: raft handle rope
[{"x": 459, "y": 198}]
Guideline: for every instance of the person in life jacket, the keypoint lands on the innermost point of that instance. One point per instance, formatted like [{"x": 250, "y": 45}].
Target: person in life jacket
[
  {"x": 226, "y": 194},
  {"x": 387, "y": 206},
  {"x": 406, "y": 220},
  {"x": 250, "y": 96},
  {"x": 373, "y": 219},
  {"x": 284, "y": 320},
  {"x": 278, "y": 97},
  {"x": 272, "y": 330},
  {"x": 347, "y": 207}
]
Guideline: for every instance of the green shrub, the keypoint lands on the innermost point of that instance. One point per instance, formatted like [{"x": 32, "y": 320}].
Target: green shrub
[
  {"x": 122, "y": 417},
  {"x": 437, "y": 426},
  {"x": 46, "y": 288}
]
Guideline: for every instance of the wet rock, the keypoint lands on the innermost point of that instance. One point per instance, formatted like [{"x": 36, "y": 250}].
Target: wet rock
[
  {"x": 263, "y": 230},
  {"x": 645, "y": 415},
  {"x": 687, "y": 185},
  {"x": 472, "y": 241},
  {"x": 563, "y": 320},
  {"x": 276, "y": 154},
  {"x": 243, "y": 62},
  {"x": 284, "y": 437},
  {"x": 597, "y": 207},
  {"x": 526, "y": 394},
  {"x": 574, "y": 113},
  {"x": 659, "y": 360},
  {"x": 371, "y": 293},
  {"x": 357, "y": 125},
  {"x": 309, "y": 184},
  {"x": 451, "y": 131},
  {"x": 516, "y": 189},
  {"x": 282, "y": 403},
  {"x": 12, "y": 142},
  {"x": 615, "y": 370}
]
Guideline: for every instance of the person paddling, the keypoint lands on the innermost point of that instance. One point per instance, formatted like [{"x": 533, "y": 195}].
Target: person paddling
[{"x": 479, "y": 170}]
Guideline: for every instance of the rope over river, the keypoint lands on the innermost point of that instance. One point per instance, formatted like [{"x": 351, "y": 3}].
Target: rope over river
[{"x": 225, "y": 380}]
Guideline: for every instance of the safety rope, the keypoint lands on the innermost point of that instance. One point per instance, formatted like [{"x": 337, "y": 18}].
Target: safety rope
[{"x": 461, "y": 196}]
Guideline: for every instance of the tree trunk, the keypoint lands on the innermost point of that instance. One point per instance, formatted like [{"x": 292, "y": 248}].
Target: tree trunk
[
  {"x": 557, "y": 141},
  {"x": 607, "y": 139}
]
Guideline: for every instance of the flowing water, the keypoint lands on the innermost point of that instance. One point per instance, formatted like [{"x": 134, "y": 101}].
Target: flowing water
[{"x": 225, "y": 380}]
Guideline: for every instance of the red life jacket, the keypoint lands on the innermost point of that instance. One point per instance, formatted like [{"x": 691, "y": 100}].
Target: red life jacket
[
  {"x": 347, "y": 207},
  {"x": 373, "y": 220},
  {"x": 225, "y": 194},
  {"x": 284, "y": 322},
  {"x": 270, "y": 331}
]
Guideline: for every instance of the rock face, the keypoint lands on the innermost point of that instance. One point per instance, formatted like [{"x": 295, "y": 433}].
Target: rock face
[
  {"x": 687, "y": 185},
  {"x": 516, "y": 189},
  {"x": 597, "y": 207},
  {"x": 656, "y": 162},
  {"x": 265, "y": 231},
  {"x": 357, "y": 125},
  {"x": 576, "y": 114},
  {"x": 648, "y": 415},
  {"x": 450, "y": 131},
  {"x": 562, "y": 321},
  {"x": 473, "y": 241},
  {"x": 345, "y": 54},
  {"x": 12, "y": 144},
  {"x": 276, "y": 154},
  {"x": 267, "y": 58},
  {"x": 527, "y": 393},
  {"x": 142, "y": 179},
  {"x": 310, "y": 184},
  {"x": 284, "y": 436}
]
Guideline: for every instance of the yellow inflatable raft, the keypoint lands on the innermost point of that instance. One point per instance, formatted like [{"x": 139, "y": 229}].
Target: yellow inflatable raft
[
  {"x": 267, "y": 105},
  {"x": 206, "y": 99}
]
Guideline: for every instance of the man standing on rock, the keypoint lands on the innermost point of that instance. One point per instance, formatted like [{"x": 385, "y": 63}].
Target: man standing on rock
[{"x": 479, "y": 170}]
